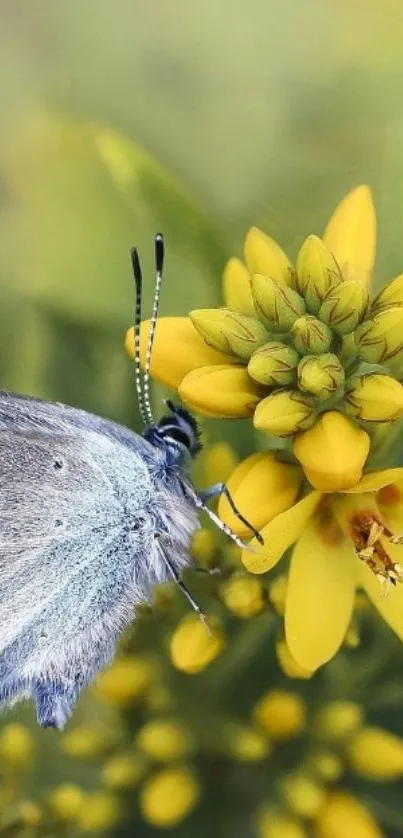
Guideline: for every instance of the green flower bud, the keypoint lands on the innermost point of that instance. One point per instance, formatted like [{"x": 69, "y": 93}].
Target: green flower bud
[
  {"x": 317, "y": 272},
  {"x": 230, "y": 331},
  {"x": 374, "y": 398},
  {"x": 285, "y": 413},
  {"x": 345, "y": 306},
  {"x": 321, "y": 375},
  {"x": 391, "y": 295},
  {"x": 311, "y": 336},
  {"x": 277, "y": 305},
  {"x": 274, "y": 364},
  {"x": 380, "y": 339}
]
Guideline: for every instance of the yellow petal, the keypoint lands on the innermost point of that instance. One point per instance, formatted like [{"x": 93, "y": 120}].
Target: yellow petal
[
  {"x": 220, "y": 390},
  {"x": 320, "y": 597},
  {"x": 345, "y": 817},
  {"x": 279, "y": 534},
  {"x": 375, "y": 480},
  {"x": 237, "y": 287},
  {"x": 264, "y": 256},
  {"x": 351, "y": 234},
  {"x": 333, "y": 452},
  {"x": 168, "y": 796},
  {"x": 177, "y": 350},
  {"x": 261, "y": 488},
  {"x": 389, "y": 603}
]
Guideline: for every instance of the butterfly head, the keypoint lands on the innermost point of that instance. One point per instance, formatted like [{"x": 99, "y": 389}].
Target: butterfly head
[{"x": 177, "y": 432}]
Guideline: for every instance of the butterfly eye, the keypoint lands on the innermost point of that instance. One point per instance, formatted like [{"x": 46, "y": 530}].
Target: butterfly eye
[{"x": 178, "y": 435}]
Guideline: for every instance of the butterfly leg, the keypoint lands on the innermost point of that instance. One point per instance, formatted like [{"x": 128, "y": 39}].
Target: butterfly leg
[{"x": 221, "y": 489}]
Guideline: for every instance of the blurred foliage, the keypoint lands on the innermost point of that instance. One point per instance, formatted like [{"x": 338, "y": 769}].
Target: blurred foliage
[{"x": 119, "y": 119}]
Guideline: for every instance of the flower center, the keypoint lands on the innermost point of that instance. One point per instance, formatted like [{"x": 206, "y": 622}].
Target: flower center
[{"x": 366, "y": 531}]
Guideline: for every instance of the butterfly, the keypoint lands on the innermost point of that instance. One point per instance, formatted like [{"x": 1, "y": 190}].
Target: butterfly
[{"x": 92, "y": 515}]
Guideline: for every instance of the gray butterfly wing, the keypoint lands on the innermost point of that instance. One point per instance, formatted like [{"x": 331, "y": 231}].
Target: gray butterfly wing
[{"x": 76, "y": 519}]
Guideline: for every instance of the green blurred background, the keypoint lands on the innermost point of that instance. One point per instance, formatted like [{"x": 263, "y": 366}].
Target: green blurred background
[{"x": 119, "y": 119}]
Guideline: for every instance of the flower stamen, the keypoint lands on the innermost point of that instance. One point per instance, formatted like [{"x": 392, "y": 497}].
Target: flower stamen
[{"x": 366, "y": 532}]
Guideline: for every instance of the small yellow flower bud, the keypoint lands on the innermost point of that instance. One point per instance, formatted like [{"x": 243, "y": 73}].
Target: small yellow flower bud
[
  {"x": 304, "y": 795},
  {"x": 28, "y": 814},
  {"x": 217, "y": 462},
  {"x": 124, "y": 771},
  {"x": 376, "y": 754},
  {"x": 204, "y": 547},
  {"x": 288, "y": 665},
  {"x": 327, "y": 765},
  {"x": 85, "y": 742},
  {"x": 264, "y": 256},
  {"x": 247, "y": 744},
  {"x": 169, "y": 796},
  {"x": 375, "y": 398},
  {"x": 345, "y": 306},
  {"x": 100, "y": 813},
  {"x": 16, "y": 747},
  {"x": 285, "y": 413},
  {"x": 230, "y": 331},
  {"x": 277, "y": 305},
  {"x": 311, "y": 336},
  {"x": 281, "y": 714},
  {"x": 274, "y": 824},
  {"x": 221, "y": 390},
  {"x": 169, "y": 365},
  {"x": 274, "y": 364},
  {"x": 261, "y": 487},
  {"x": 380, "y": 339},
  {"x": 317, "y": 272},
  {"x": 237, "y": 287},
  {"x": 390, "y": 296},
  {"x": 332, "y": 453},
  {"x": 242, "y": 596},
  {"x": 164, "y": 740},
  {"x": 66, "y": 801},
  {"x": 343, "y": 815},
  {"x": 125, "y": 681},
  {"x": 337, "y": 721},
  {"x": 193, "y": 646},
  {"x": 321, "y": 375}
]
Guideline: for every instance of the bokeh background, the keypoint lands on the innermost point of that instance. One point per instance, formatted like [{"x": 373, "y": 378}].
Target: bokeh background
[{"x": 119, "y": 119}]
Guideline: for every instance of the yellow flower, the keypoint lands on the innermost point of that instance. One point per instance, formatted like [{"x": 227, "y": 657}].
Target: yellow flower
[
  {"x": 273, "y": 824},
  {"x": 100, "y": 813},
  {"x": 242, "y": 596},
  {"x": 376, "y": 754},
  {"x": 342, "y": 541},
  {"x": 328, "y": 466},
  {"x": 193, "y": 646},
  {"x": 16, "y": 747},
  {"x": 246, "y": 744},
  {"x": 164, "y": 739},
  {"x": 66, "y": 802},
  {"x": 167, "y": 797},
  {"x": 124, "y": 681},
  {"x": 281, "y": 714},
  {"x": 343, "y": 815},
  {"x": 123, "y": 771}
]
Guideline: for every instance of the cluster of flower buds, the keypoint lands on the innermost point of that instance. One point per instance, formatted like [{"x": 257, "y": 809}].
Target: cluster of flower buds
[{"x": 309, "y": 339}]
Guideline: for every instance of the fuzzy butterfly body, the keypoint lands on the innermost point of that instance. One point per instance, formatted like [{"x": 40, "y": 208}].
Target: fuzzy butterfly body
[{"x": 92, "y": 516}]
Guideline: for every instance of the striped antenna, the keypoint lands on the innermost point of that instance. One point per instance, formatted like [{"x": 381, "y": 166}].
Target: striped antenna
[
  {"x": 138, "y": 280},
  {"x": 159, "y": 264}
]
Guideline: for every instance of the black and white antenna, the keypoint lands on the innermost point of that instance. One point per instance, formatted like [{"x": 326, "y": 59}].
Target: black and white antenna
[{"x": 143, "y": 382}]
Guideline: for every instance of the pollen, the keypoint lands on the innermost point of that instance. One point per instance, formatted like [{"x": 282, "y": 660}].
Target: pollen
[{"x": 366, "y": 531}]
